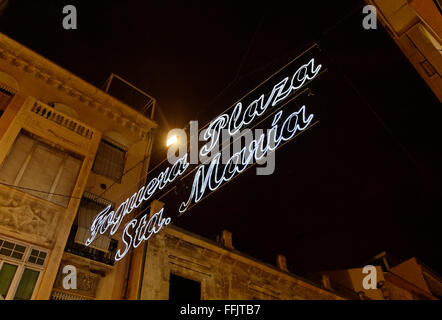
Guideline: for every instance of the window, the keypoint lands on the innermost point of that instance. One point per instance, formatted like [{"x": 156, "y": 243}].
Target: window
[
  {"x": 7, "y": 273},
  {"x": 109, "y": 161},
  {"x": 27, "y": 284},
  {"x": 20, "y": 269},
  {"x": 37, "y": 257},
  {"x": 183, "y": 289},
  {"x": 10, "y": 249},
  {"x": 103, "y": 248},
  {"x": 40, "y": 169},
  {"x": 89, "y": 208}
]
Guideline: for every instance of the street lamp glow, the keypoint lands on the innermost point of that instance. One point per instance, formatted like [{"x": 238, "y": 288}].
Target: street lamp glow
[{"x": 172, "y": 140}]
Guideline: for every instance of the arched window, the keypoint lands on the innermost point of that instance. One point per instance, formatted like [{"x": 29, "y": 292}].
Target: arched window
[{"x": 8, "y": 88}]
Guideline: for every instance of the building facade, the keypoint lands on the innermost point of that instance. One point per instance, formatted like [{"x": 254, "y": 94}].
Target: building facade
[
  {"x": 407, "y": 280},
  {"x": 68, "y": 150},
  {"x": 416, "y": 27},
  {"x": 64, "y": 149},
  {"x": 219, "y": 272}
]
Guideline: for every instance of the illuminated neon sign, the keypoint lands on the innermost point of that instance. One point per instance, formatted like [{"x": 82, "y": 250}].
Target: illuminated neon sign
[
  {"x": 240, "y": 117},
  {"x": 257, "y": 149},
  {"x": 112, "y": 219},
  {"x": 210, "y": 177}
]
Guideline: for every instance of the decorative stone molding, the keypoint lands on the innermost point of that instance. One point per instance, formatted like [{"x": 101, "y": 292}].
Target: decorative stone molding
[
  {"x": 227, "y": 274},
  {"x": 189, "y": 262},
  {"x": 61, "y": 119},
  {"x": 22, "y": 214},
  {"x": 263, "y": 289},
  {"x": 87, "y": 282},
  {"x": 281, "y": 262},
  {"x": 226, "y": 237}
]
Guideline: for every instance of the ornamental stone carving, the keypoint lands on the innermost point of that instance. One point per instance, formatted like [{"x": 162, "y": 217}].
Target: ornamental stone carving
[
  {"x": 21, "y": 214},
  {"x": 87, "y": 283}
]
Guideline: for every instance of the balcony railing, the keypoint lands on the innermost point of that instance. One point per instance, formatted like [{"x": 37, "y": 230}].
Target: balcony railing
[
  {"x": 51, "y": 114},
  {"x": 61, "y": 295},
  {"x": 89, "y": 252}
]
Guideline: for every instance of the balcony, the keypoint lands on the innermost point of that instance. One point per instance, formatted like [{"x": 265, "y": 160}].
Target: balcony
[
  {"x": 49, "y": 113},
  {"x": 89, "y": 252},
  {"x": 62, "y": 295}
]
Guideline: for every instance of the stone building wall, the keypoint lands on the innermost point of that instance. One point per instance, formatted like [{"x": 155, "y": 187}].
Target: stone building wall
[
  {"x": 223, "y": 272},
  {"x": 416, "y": 27},
  {"x": 87, "y": 114}
]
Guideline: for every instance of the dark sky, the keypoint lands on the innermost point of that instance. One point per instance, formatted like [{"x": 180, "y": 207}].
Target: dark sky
[{"x": 366, "y": 179}]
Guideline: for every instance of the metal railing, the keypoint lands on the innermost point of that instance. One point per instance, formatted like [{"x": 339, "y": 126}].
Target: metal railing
[{"x": 90, "y": 253}]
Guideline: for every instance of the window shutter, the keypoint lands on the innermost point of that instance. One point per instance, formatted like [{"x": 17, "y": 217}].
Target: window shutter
[
  {"x": 41, "y": 171},
  {"x": 66, "y": 183},
  {"x": 87, "y": 212},
  {"x": 27, "y": 284},
  {"x": 15, "y": 159},
  {"x": 7, "y": 273},
  {"x": 109, "y": 161}
]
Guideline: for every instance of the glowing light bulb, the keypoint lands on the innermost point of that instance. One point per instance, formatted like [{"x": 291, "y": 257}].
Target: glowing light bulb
[{"x": 172, "y": 140}]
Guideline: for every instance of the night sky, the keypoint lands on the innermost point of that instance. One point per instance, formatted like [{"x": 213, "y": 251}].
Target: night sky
[{"x": 366, "y": 179}]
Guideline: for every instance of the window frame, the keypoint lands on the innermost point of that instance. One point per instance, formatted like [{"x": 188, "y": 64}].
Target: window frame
[
  {"x": 23, "y": 264},
  {"x": 66, "y": 155},
  {"x": 87, "y": 196},
  {"x": 115, "y": 145}
]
